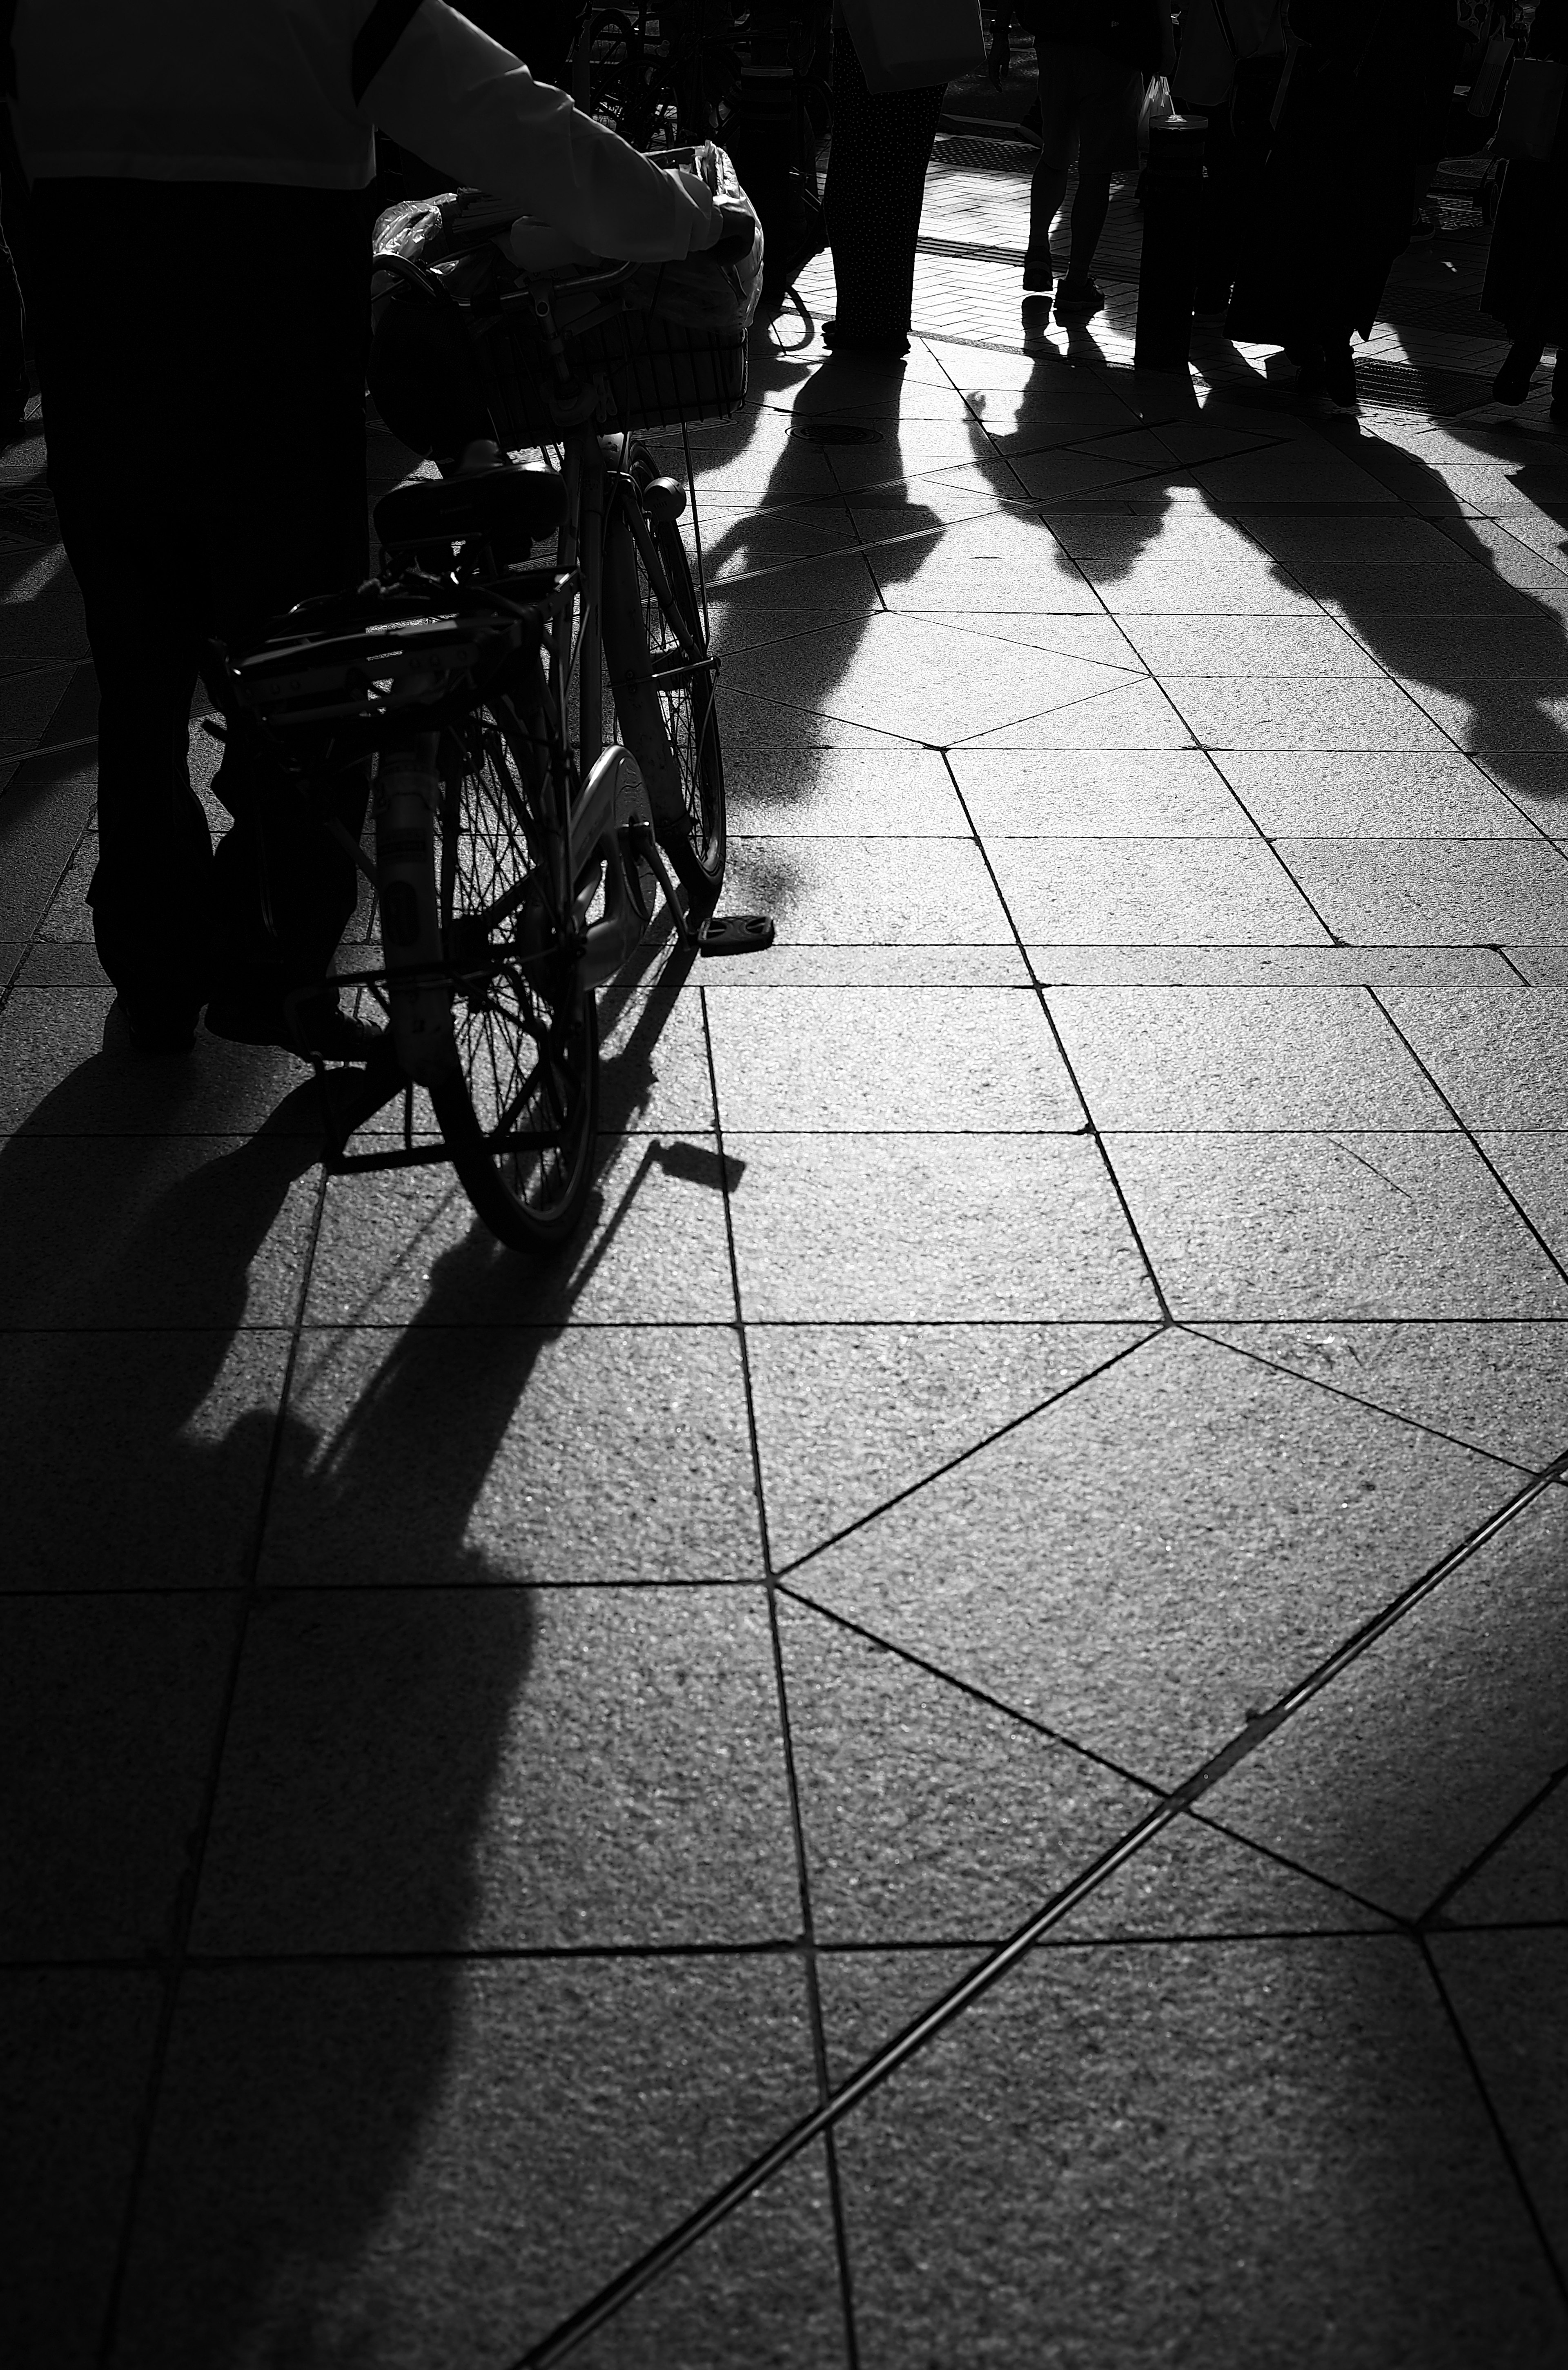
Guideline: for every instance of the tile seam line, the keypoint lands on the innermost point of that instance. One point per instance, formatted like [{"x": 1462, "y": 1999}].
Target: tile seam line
[
  {"x": 932, "y": 2022},
  {"x": 1076, "y": 1746},
  {"x": 1152, "y": 1331},
  {"x": 1494, "y": 2115},
  {"x": 1161, "y": 1304},
  {"x": 807, "y": 1952},
  {"x": 175, "y": 1958},
  {"x": 1472, "y": 1137},
  {"x": 1354, "y": 1398},
  {"x": 1473, "y": 1867}
]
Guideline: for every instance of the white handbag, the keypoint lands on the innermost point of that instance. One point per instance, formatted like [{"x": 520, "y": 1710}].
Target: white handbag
[{"x": 909, "y": 44}]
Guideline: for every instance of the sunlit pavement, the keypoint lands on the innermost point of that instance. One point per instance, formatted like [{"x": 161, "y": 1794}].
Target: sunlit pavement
[{"x": 489, "y": 1749}]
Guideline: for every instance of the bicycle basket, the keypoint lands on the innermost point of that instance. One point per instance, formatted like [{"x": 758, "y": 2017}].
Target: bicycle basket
[{"x": 651, "y": 372}]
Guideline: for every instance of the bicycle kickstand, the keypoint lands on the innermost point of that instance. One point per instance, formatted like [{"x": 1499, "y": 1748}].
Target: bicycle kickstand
[{"x": 720, "y": 934}]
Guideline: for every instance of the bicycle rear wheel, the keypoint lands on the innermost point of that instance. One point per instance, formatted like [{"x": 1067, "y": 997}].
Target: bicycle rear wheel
[
  {"x": 682, "y": 723},
  {"x": 519, "y": 1111}
]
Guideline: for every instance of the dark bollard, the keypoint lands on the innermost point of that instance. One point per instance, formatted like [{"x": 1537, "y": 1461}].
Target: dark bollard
[{"x": 1172, "y": 213}]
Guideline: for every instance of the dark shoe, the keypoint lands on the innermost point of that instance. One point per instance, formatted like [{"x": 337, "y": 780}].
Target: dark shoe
[
  {"x": 315, "y": 1030},
  {"x": 840, "y": 339},
  {"x": 1038, "y": 277},
  {"x": 1077, "y": 299},
  {"x": 1512, "y": 383},
  {"x": 1339, "y": 374},
  {"x": 158, "y": 1021}
]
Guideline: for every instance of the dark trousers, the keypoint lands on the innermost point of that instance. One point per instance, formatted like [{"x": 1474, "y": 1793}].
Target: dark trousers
[{"x": 202, "y": 350}]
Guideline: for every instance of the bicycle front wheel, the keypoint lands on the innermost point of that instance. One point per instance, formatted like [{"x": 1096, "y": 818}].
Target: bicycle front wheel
[
  {"x": 519, "y": 1110},
  {"x": 662, "y": 679}
]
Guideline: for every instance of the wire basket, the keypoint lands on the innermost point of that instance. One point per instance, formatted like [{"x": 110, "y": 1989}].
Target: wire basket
[{"x": 650, "y": 374}]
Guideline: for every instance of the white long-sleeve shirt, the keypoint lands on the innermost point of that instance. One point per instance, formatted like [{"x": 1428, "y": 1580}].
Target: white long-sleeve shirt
[{"x": 259, "y": 90}]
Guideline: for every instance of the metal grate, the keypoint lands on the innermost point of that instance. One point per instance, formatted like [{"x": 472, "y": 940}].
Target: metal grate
[
  {"x": 1403, "y": 386},
  {"x": 986, "y": 155}
]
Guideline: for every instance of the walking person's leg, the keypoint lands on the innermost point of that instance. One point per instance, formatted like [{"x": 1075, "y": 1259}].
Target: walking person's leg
[
  {"x": 1048, "y": 188},
  {"x": 1109, "y": 95}
]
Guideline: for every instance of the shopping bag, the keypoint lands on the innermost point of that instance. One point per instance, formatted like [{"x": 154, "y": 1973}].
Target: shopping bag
[
  {"x": 1531, "y": 106},
  {"x": 1157, "y": 107},
  {"x": 909, "y": 44}
]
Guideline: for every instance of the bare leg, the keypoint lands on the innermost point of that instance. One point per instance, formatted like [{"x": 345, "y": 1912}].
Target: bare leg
[{"x": 1047, "y": 191}]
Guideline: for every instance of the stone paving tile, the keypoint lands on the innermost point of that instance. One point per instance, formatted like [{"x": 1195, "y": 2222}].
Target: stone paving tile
[
  {"x": 1101, "y": 1568},
  {"x": 155, "y": 1231},
  {"x": 885, "y": 1228},
  {"x": 1006, "y": 561},
  {"x": 918, "y": 678},
  {"x": 109, "y": 1707},
  {"x": 176, "y": 1429},
  {"x": 1238, "y": 1058},
  {"x": 1534, "y": 1167},
  {"x": 1524, "y": 1878},
  {"x": 1355, "y": 1224},
  {"x": 502, "y": 1770},
  {"x": 521, "y": 1491},
  {"x": 1291, "y": 645},
  {"x": 1093, "y": 2148},
  {"x": 827, "y": 965},
  {"x": 849, "y": 1417},
  {"x": 1132, "y": 892},
  {"x": 1429, "y": 794},
  {"x": 877, "y": 890},
  {"x": 1507, "y": 1990},
  {"x": 67, "y": 1068},
  {"x": 1395, "y": 1779},
  {"x": 1497, "y": 1054},
  {"x": 77, "y": 2049},
  {"x": 1164, "y": 794},
  {"x": 930, "y": 1816},
  {"x": 916, "y": 1059},
  {"x": 839, "y": 793},
  {"x": 1498, "y": 1386},
  {"x": 471, "y": 2110},
  {"x": 406, "y": 1249},
  {"x": 1300, "y": 712},
  {"x": 1423, "y": 891},
  {"x": 1129, "y": 716},
  {"x": 1264, "y": 966}
]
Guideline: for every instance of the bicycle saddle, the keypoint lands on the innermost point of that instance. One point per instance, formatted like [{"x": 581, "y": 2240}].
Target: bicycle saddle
[{"x": 507, "y": 506}]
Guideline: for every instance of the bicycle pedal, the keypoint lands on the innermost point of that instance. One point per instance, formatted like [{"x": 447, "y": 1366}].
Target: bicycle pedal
[{"x": 735, "y": 934}]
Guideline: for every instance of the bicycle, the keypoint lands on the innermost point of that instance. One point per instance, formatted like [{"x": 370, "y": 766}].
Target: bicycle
[{"x": 515, "y": 868}]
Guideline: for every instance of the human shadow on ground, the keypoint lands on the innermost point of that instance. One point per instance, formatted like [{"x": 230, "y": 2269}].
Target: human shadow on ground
[
  {"x": 152, "y": 1457},
  {"x": 1495, "y": 654}
]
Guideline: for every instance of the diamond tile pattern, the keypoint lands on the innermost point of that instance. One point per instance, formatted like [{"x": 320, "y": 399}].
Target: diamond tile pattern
[{"x": 1053, "y": 1416}]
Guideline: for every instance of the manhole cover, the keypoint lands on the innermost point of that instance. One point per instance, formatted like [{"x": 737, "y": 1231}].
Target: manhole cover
[{"x": 837, "y": 432}]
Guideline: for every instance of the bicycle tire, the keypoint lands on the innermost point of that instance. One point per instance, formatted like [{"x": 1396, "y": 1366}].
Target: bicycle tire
[
  {"x": 687, "y": 702},
  {"x": 519, "y": 1111}
]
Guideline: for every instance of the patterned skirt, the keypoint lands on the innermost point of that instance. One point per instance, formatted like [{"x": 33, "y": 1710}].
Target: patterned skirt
[{"x": 876, "y": 185}]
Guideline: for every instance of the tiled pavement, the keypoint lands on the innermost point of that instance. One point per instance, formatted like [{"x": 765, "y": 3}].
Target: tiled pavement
[{"x": 487, "y": 1748}]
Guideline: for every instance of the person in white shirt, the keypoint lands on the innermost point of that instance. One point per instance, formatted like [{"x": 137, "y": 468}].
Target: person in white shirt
[{"x": 200, "y": 236}]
